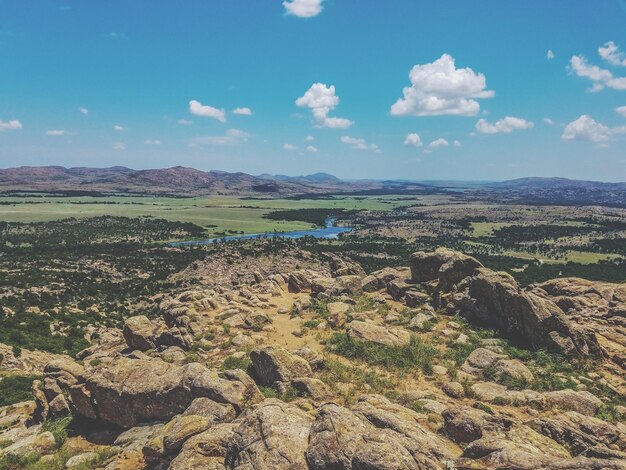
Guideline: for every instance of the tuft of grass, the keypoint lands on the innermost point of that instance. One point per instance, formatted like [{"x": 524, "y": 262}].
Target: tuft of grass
[
  {"x": 58, "y": 427},
  {"x": 418, "y": 354},
  {"x": 311, "y": 324}
]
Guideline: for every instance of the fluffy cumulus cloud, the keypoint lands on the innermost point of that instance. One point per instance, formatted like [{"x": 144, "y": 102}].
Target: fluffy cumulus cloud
[
  {"x": 197, "y": 108},
  {"x": 243, "y": 111},
  {"x": 586, "y": 128},
  {"x": 439, "y": 143},
  {"x": 119, "y": 128},
  {"x": 303, "y": 8},
  {"x": 12, "y": 125},
  {"x": 439, "y": 88},
  {"x": 413, "y": 139},
  {"x": 504, "y": 126},
  {"x": 456, "y": 143},
  {"x": 611, "y": 53},
  {"x": 601, "y": 78},
  {"x": 321, "y": 100},
  {"x": 621, "y": 110},
  {"x": 550, "y": 54},
  {"x": 359, "y": 144},
  {"x": 311, "y": 149},
  {"x": 289, "y": 147}
]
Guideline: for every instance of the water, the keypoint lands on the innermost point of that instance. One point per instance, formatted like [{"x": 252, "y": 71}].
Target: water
[{"x": 327, "y": 232}]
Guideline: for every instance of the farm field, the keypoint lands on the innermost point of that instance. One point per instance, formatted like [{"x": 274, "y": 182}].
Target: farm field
[{"x": 217, "y": 214}]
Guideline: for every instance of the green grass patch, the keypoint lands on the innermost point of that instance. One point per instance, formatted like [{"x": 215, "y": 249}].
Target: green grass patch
[
  {"x": 232, "y": 362},
  {"x": 418, "y": 354}
]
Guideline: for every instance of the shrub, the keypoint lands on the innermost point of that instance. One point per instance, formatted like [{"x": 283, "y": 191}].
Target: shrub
[
  {"x": 232, "y": 362},
  {"x": 16, "y": 388}
]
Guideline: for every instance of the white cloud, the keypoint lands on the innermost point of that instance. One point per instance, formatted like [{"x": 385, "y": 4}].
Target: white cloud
[
  {"x": 303, "y": 8},
  {"x": 611, "y": 53},
  {"x": 152, "y": 142},
  {"x": 601, "y": 78},
  {"x": 439, "y": 143},
  {"x": 621, "y": 110},
  {"x": 457, "y": 143},
  {"x": 321, "y": 100},
  {"x": 413, "y": 139},
  {"x": 230, "y": 137},
  {"x": 548, "y": 121},
  {"x": 359, "y": 144},
  {"x": 289, "y": 147},
  {"x": 197, "y": 108},
  {"x": 504, "y": 126},
  {"x": 11, "y": 125},
  {"x": 309, "y": 138},
  {"x": 439, "y": 88},
  {"x": 311, "y": 149},
  {"x": 119, "y": 145},
  {"x": 550, "y": 54},
  {"x": 119, "y": 128},
  {"x": 185, "y": 122},
  {"x": 586, "y": 128},
  {"x": 85, "y": 111},
  {"x": 243, "y": 111},
  {"x": 58, "y": 133}
]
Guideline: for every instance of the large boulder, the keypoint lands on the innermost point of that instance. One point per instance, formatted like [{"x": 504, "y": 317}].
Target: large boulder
[
  {"x": 205, "y": 451},
  {"x": 495, "y": 300},
  {"x": 375, "y": 434},
  {"x": 274, "y": 364},
  {"x": 142, "y": 333},
  {"x": 125, "y": 392},
  {"x": 446, "y": 266},
  {"x": 271, "y": 434}
]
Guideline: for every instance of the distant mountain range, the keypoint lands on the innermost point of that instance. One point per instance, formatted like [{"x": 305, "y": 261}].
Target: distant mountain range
[
  {"x": 189, "y": 181},
  {"x": 175, "y": 180}
]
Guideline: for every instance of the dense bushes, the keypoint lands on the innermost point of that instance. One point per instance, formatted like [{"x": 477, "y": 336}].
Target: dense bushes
[{"x": 15, "y": 388}]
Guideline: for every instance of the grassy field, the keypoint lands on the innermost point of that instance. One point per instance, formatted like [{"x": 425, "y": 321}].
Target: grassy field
[{"x": 217, "y": 214}]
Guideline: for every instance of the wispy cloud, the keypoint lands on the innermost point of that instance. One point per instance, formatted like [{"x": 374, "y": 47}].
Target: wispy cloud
[
  {"x": 119, "y": 146},
  {"x": 601, "y": 78},
  {"x": 11, "y": 125},
  {"x": 243, "y": 111},
  {"x": 152, "y": 142},
  {"x": 504, "y": 126},
  {"x": 359, "y": 143},
  {"x": 230, "y": 138},
  {"x": 84, "y": 111},
  {"x": 119, "y": 128},
  {"x": 550, "y": 54},
  {"x": 303, "y": 8},
  {"x": 58, "y": 133}
]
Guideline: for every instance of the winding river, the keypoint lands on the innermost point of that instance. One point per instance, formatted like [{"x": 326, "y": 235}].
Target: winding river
[{"x": 330, "y": 231}]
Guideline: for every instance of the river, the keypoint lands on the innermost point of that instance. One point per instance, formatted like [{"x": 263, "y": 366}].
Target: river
[{"x": 330, "y": 231}]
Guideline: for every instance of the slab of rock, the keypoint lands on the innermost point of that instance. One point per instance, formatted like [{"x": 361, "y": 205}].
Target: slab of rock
[
  {"x": 171, "y": 437},
  {"x": 271, "y": 434},
  {"x": 385, "y": 335},
  {"x": 579, "y": 433},
  {"x": 205, "y": 451},
  {"x": 512, "y": 368},
  {"x": 569, "y": 400},
  {"x": 481, "y": 358},
  {"x": 274, "y": 364},
  {"x": 233, "y": 388}
]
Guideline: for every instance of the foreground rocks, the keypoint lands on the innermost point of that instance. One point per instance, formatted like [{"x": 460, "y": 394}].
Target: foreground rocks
[{"x": 222, "y": 381}]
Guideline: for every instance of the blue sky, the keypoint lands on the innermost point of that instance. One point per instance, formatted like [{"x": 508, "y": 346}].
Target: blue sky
[{"x": 321, "y": 85}]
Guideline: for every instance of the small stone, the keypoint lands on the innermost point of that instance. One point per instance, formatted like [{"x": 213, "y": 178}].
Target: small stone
[{"x": 453, "y": 389}]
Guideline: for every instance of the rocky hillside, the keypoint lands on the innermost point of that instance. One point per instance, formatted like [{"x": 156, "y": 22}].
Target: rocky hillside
[{"x": 304, "y": 362}]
